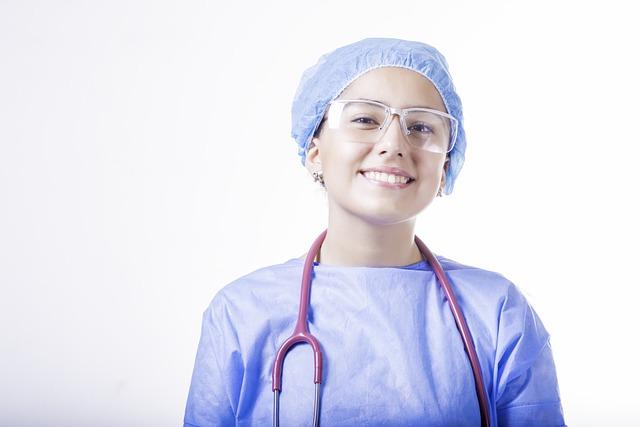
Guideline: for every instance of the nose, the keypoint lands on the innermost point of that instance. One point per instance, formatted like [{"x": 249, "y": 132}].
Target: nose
[{"x": 392, "y": 138}]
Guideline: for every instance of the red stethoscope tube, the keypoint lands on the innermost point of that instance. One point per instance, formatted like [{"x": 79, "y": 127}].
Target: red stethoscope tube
[{"x": 301, "y": 334}]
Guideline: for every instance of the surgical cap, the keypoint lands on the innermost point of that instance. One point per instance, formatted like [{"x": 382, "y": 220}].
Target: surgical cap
[{"x": 334, "y": 71}]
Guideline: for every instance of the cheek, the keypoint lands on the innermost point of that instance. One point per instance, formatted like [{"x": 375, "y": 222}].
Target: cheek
[
  {"x": 431, "y": 168},
  {"x": 343, "y": 159}
]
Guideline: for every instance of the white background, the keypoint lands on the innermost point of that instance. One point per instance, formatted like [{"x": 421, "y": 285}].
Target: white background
[{"x": 145, "y": 162}]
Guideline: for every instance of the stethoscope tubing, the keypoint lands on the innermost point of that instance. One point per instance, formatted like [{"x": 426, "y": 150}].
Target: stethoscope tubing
[
  {"x": 301, "y": 334},
  {"x": 463, "y": 328}
]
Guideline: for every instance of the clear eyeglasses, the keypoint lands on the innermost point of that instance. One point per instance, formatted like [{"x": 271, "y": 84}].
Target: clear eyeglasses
[{"x": 366, "y": 121}]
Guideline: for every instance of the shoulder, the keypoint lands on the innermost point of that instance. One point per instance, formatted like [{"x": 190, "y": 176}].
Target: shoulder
[
  {"x": 484, "y": 284},
  {"x": 481, "y": 283},
  {"x": 258, "y": 284},
  {"x": 498, "y": 303}
]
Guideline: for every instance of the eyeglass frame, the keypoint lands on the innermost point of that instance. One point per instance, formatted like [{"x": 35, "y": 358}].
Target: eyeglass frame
[{"x": 400, "y": 112}]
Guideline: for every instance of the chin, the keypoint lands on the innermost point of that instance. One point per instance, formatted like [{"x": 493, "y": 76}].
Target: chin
[{"x": 384, "y": 215}]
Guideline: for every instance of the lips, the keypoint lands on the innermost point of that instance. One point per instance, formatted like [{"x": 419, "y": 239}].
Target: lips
[
  {"x": 389, "y": 170},
  {"x": 371, "y": 177},
  {"x": 386, "y": 184}
]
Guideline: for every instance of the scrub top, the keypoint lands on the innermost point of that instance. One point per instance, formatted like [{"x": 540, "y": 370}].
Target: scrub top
[{"x": 392, "y": 354}]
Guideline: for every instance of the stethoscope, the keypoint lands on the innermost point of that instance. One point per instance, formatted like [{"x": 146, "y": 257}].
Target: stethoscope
[{"x": 301, "y": 335}]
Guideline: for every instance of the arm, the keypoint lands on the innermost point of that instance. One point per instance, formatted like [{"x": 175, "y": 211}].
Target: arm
[
  {"x": 217, "y": 373},
  {"x": 526, "y": 384}
]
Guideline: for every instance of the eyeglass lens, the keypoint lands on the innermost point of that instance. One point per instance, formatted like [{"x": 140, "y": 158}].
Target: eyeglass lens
[{"x": 367, "y": 122}]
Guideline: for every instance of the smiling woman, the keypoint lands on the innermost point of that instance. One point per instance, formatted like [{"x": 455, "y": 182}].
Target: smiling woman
[
  {"x": 361, "y": 162},
  {"x": 399, "y": 336}
]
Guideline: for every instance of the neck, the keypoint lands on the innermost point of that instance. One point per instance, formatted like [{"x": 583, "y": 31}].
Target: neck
[{"x": 352, "y": 241}]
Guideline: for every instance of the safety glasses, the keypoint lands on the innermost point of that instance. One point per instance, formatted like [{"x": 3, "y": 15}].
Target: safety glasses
[{"x": 366, "y": 121}]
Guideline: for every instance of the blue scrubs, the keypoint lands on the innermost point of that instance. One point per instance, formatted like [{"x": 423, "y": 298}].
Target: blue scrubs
[{"x": 392, "y": 353}]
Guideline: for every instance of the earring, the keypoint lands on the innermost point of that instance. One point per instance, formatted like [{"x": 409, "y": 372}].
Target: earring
[
  {"x": 317, "y": 177},
  {"x": 439, "y": 192}
]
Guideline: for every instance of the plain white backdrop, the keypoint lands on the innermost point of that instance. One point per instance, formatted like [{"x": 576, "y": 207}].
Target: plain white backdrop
[{"x": 146, "y": 161}]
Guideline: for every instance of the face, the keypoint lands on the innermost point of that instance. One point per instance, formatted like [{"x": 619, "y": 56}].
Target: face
[{"x": 342, "y": 161}]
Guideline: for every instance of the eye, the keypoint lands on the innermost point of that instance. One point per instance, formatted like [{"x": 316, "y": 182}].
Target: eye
[
  {"x": 421, "y": 128},
  {"x": 364, "y": 123},
  {"x": 364, "y": 120}
]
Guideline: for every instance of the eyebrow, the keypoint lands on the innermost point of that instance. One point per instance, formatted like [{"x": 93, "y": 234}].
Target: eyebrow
[{"x": 385, "y": 103}]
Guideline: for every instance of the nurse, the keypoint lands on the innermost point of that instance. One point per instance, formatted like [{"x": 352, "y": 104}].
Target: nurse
[{"x": 379, "y": 125}]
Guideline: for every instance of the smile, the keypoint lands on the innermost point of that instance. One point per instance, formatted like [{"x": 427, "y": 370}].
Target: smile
[{"x": 387, "y": 180}]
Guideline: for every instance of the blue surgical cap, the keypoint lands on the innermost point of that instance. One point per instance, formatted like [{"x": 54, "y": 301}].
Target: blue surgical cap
[{"x": 334, "y": 71}]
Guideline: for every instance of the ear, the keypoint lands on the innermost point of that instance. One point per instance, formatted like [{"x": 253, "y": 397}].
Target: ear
[
  {"x": 443, "y": 178},
  {"x": 312, "y": 160}
]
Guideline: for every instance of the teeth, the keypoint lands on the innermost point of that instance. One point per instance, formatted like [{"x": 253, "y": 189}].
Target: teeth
[{"x": 385, "y": 177}]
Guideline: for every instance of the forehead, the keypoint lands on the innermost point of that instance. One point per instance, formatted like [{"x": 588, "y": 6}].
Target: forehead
[{"x": 395, "y": 86}]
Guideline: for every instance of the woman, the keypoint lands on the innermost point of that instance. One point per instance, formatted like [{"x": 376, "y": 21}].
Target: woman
[{"x": 379, "y": 125}]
